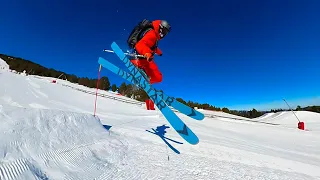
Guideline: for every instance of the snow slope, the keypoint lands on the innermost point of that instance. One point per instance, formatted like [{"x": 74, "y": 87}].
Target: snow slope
[
  {"x": 48, "y": 132},
  {"x": 35, "y": 143},
  {"x": 290, "y": 119},
  {"x": 3, "y": 65}
]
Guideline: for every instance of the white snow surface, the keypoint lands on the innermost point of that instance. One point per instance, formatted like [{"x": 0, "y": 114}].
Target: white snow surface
[
  {"x": 48, "y": 131},
  {"x": 3, "y": 65}
]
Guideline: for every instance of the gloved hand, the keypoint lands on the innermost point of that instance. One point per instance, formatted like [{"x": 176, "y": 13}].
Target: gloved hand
[
  {"x": 149, "y": 56},
  {"x": 158, "y": 52}
]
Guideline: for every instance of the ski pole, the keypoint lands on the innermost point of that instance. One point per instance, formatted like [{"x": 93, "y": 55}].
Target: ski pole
[
  {"x": 135, "y": 55},
  {"x": 291, "y": 110}
]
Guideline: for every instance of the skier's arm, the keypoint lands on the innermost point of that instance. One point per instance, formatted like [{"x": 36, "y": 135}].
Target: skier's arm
[{"x": 158, "y": 52}]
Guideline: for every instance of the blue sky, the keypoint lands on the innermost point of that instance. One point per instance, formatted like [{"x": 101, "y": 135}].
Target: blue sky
[{"x": 235, "y": 54}]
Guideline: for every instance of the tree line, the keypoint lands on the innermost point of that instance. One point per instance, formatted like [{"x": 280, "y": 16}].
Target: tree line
[
  {"x": 299, "y": 108},
  {"x": 22, "y": 65},
  {"x": 128, "y": 90}
]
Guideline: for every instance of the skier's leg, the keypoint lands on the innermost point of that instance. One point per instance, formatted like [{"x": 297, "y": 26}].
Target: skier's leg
[
  {"x": 153, "y": 72},
  {"x": 141, "y": 64},
  {"x": 136, "y": 62}
]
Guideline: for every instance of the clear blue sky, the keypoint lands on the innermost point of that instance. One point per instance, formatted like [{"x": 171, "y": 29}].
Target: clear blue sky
[{"x": 235, "y": 54}]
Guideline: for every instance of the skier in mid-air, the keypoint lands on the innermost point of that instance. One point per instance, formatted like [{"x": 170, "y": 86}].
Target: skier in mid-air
[{"x": 144, "y": 41}]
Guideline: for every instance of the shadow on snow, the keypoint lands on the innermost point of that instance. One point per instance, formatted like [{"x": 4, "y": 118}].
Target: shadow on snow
[
  {"x": 107, "y": 127},
  {"x": 160, "y": 131}
]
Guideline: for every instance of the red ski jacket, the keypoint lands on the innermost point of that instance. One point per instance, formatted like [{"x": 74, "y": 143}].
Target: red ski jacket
[{"x": 149, "y": 42}]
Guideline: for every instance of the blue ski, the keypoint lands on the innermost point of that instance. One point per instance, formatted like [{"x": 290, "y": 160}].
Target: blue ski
[
  {"x": 169, "y": 100},
  {"x": 181, "y": 128}
]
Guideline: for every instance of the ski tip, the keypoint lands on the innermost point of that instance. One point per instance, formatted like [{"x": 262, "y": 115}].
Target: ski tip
[
  {"x": 114, "y": 44},
  {"x": 194, "y": 141},
  {"x": 201, "y": 116},
  {"x": 196, "y": 115},
  {"x": 100, "y": 59},
  {"x": 191, "y": 138}
]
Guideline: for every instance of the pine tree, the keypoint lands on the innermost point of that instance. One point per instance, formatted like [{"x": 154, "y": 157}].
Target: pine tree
[
  {"x": 298, "y": 108},
  {"x": 181, "y": 100},
  {"x": 105, "y": 83},
  {"x": 226, "y": 110},
  {"x": 129, "y": 90},
  {"x": 123, "y": 88},
  {"x": 114, "y": 87},
  {"x": 141, "y": 95}
]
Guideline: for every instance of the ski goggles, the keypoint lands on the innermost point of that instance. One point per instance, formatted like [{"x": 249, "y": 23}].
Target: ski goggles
[{"x": 163, "y": 31}]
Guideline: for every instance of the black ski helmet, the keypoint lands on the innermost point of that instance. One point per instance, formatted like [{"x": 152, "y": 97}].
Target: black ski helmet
[{"x": 164, "y": 28}]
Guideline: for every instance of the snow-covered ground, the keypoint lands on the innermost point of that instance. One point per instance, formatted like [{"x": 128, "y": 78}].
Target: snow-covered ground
[{"x": 48, "y": 131}]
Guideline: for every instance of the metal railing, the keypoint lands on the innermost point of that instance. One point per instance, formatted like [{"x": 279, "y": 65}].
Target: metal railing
[{"x": 129, "y": 101}]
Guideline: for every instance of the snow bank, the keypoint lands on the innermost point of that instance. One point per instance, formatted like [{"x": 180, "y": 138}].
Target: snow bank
[
  {"x": 101, "y": 93},
  {"x": 38, "y": 143},
  {"x": 265, "y": 116},
  {"x": 27, "y": 91},
  {"x": 284, "y": 119},
  {"x": 4, "y": 65},
  {"x": 220, "y": 114},
  {"x": 289, "y": 119}
]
